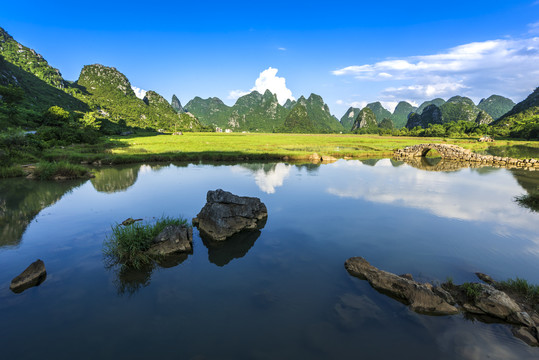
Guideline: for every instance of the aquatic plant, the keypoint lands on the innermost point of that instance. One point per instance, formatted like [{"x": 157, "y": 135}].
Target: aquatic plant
[{"x": 127, "y": 245}]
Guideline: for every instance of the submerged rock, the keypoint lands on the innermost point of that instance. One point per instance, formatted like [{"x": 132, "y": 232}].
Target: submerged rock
[
  {"x": 172, "y": 239},
  {"x": 33, "y": 275},
  {"x": 226, "y": 214},
  {"x": 420, "y": 297}
]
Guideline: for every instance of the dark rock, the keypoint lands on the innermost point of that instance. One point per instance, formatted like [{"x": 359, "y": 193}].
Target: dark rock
[
  {"x": 173, "y": 239},
  {"x": 34, "y": 275},
  {"x": 407, "y": 276},
  {"x": 226, "y": 214},
  {"x": 419, "y": 297},
  {"x": 130, "y": 221},
  {"x": 528, "y": 335},
  {"x": 485, "y": 278}
]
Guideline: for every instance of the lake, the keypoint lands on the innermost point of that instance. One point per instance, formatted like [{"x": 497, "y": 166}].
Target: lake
[{"x": 282, "y": 295}]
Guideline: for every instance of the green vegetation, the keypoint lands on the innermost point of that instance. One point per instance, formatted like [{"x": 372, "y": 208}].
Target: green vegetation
[
  {"x": 365, "y": 122},
  {"x": 127, "y": 245},
  {"x": 400, "y": 115},
  {"x": 349, "y": 117},
  {"x": 62, "y": 169},
  {"x": 472, "y": 290},
  {"x": 496, "y": 106},
  {"x": 379, "y": 111},
  {"x": 298, "y": 121},
  {"x": 522, "y": 288}
]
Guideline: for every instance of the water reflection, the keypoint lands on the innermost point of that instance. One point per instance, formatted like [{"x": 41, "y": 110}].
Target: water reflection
[
  {"x": 21, "y": 200},
  {"x": 221, "y": 253},
  {"x": 454, "y": 195},
  {"x": 529, "y": 182},
  {"x": 113, "y": 179},
  {"x": 129, "y": 280}
]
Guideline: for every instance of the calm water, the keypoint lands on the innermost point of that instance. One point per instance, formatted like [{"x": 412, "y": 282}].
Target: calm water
[{"x": 283, "y": 295}]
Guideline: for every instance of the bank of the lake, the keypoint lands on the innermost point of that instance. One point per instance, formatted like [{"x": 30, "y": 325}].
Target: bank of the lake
[{"x": 252, "y": 146}]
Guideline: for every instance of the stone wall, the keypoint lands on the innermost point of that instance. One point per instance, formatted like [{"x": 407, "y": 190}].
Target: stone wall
[{"x": 458, "y": 153}]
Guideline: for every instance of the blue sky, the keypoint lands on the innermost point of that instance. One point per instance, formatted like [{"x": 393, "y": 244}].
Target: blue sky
[{"x": 349, "y": 52}]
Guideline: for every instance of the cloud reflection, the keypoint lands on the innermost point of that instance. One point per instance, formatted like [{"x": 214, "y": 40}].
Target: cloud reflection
[{"x": 463, "y": 195}]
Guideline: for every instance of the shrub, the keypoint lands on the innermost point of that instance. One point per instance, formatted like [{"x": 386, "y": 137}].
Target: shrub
[{"x": 49, "y": 170}]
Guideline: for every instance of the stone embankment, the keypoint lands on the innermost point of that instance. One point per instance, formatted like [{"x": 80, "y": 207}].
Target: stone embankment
[{"x": 458, "y": 153}]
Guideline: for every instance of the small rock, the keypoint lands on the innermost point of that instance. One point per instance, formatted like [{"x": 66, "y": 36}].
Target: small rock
[
  {"x": 172, "y": 239},
  {"x": 526, "y": 334},
  {"x": 33, "y": 275},
  {"x": 130, "y": 221},
  {"x": 485, "y": 278}
]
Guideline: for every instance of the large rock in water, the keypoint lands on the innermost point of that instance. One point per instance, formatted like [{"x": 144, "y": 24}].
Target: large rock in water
[
  {"x": 34, "y": 275},
  {"x": 420, "y": 297},
  {"x": 226, "y": 214},
  {"x": 172, "y": 239}
]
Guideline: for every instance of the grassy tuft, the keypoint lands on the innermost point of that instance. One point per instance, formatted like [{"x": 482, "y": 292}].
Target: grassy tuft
[
  {"x": 521, "y": 287},
  {"x": 50, "y": 170},
  {"x": 472, "y": 290},
  {"x": 127, "y": 245}
]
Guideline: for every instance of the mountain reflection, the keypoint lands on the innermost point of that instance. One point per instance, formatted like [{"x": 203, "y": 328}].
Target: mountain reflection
[{"x": 21, "y": 201}]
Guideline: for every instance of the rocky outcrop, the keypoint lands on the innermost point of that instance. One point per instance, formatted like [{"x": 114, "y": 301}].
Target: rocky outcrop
[
  {"x": 173, "y": 239},
  {"x": 485, "y": 302},
  {"x": 420, "y": 297},
  {"x": 226, "y": 214},
  {"x": 457, "y": 153},
  {"x": 33, "y": 275},
  {"x": 365, "y": 119}
]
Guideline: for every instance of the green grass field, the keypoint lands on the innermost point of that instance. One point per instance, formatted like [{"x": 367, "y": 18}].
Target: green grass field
[{"x": 236, "y": 146}]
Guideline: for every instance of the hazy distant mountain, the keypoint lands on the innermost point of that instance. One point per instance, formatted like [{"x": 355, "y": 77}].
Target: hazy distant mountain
[
  {"x": 438, "y": 102},
  {"x": 176, "y": 104},
  {"x": 459, "y": 108},
  {"x": 430, "y": 115},
  {"x": 400, "y": 115},
  {"x": 289, "y": 104},
  {"x": 318, "y": 112},
  {"x": 262, "y": 112},
  {"x": 349, "y": 117},
  {"x": 379, "y": 111},
  {"x": 496, "y": 105}
]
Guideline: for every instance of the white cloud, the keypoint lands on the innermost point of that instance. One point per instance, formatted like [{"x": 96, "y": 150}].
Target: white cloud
[
  {"x": 423, "y": 91},
  {"x": 505, "y": 66},
  {"x": 140, "y": 93},
  {"x": 339, "y": 102},
  {"x": 389, "y": 105},
  {"x": 268, "y": 80},
  {"x": 282, "y": 49},
  {"x": 235, "y": 94}
]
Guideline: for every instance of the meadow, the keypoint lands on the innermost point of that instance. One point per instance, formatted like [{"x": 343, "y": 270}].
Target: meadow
[{"x": 251, "y": 146}]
